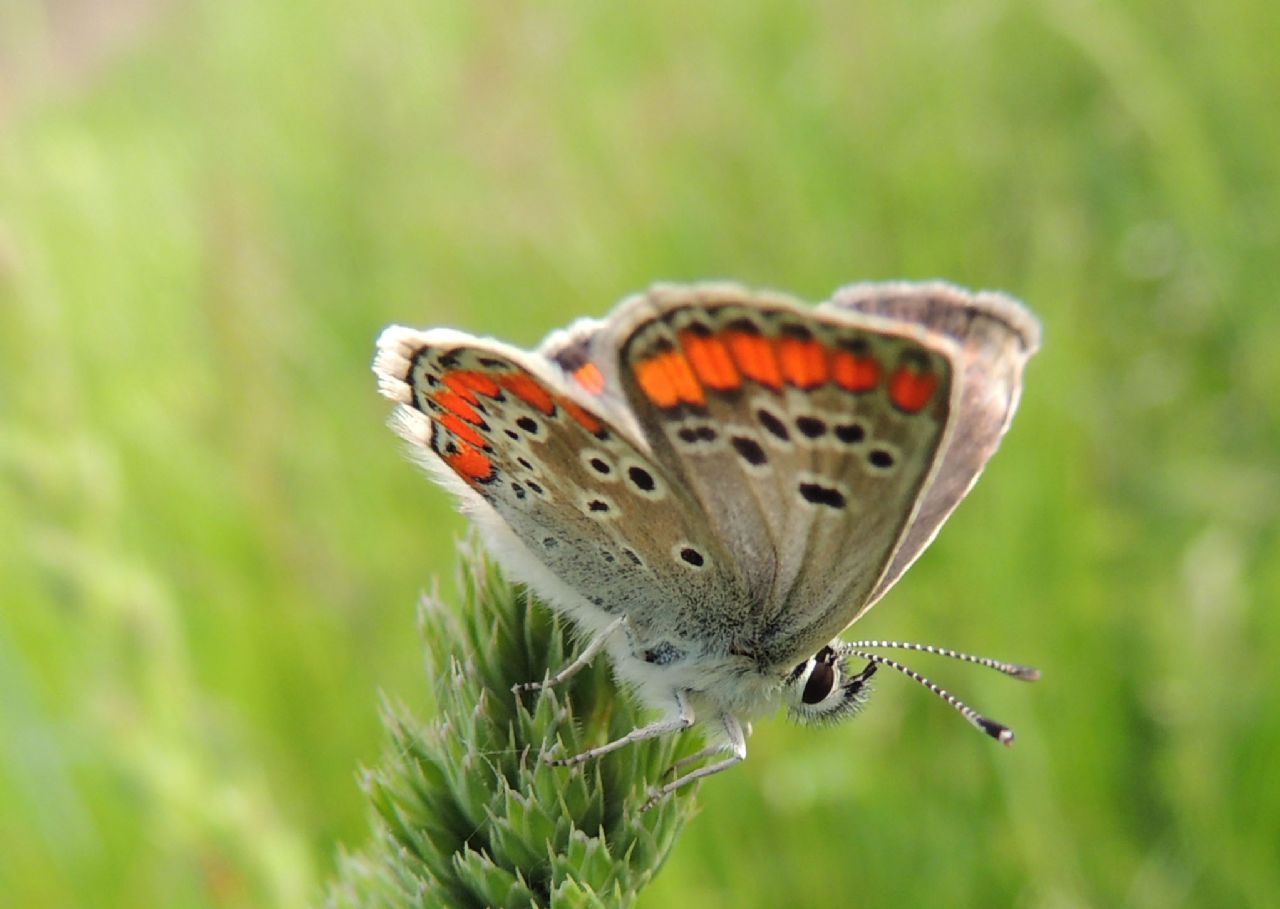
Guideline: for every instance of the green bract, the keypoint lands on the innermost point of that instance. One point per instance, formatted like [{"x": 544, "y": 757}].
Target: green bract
[{"x": 466, "y": 812}]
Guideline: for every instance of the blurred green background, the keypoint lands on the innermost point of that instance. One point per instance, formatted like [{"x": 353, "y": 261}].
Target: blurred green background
[{"x": 210, "y": 547}]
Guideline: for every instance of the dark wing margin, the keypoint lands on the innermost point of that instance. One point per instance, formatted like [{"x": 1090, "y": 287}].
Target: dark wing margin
[{"x": 996, "y": 335}]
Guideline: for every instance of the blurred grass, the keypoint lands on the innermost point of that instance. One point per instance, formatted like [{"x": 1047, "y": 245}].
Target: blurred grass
[{"x": 210, "y": 548}]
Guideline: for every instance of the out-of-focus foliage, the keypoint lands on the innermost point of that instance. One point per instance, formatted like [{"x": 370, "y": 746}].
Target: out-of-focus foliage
[{"x": 210, "y": 548}]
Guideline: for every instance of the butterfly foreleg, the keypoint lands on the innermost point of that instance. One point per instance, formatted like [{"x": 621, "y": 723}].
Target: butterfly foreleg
[
  {"x": 735, "y": 743},
  {"x": 580, "y": 662},
  {"x": 693, "y": 759},
  {"x": 680, "y": 719}
]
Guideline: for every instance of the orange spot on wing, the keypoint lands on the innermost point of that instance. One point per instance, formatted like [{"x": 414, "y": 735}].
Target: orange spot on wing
[
  {"x": 584, "y": 417},
  {"x": 755, "y": 357},
  {"x": 854, "y": 373},
  {"x": 454, "y": 403},
  {"x": 588, "y": 376},
  {"x": 461, "y": 429},
  {"x": 687, "y": 385},
  {"x": 529, "y": 391},
  {"x": 804, "y": 362},
  {"x": 667, "y": 380},
  {"x": 470, "y": 464},
  {"x": 711, "y": 361},
  {"x": 450, "y": 380},
  {"x": 911, "y": 389},
  {"x": 464, "y": 382},
  {"x": 655, "y": 383}
]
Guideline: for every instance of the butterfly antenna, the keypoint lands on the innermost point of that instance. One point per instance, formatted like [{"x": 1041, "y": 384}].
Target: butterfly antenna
[
  {"x": 1014, "y": 670},
  {"x": 998, "y": 731}
]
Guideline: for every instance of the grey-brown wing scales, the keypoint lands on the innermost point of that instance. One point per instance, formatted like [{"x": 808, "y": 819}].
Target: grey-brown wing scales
[
  {"x": 505, "y": 431},
  {"x": 806, "y": 438}
]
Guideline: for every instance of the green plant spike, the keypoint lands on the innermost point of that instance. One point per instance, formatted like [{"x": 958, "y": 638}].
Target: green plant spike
[{"x": 467, "y": 814}]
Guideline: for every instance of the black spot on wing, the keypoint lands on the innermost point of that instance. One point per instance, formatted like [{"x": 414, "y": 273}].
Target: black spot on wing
[
  {"x": 694, "y": 434},
  {"x": 773, "y": 425},
  {"x": 692, "y": 556},
  {"x": 811, "y": 427},
  {"x": 818, "y": 494},
  {"x": 850, "y": 433},
  {"x": 749, "y": 450}
]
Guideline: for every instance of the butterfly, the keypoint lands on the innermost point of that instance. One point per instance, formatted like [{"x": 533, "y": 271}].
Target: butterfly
[{"x": 713, "y": 483}]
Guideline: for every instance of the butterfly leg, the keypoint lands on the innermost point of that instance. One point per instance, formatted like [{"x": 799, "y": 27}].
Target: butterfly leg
[
  {"x": 735, "y": 743},
  {"x": 679, "y": 721},
  {"x": 581, "y": 662},
  {"x": 704, "y": 753},
  {"x": 693, "y": 759}
]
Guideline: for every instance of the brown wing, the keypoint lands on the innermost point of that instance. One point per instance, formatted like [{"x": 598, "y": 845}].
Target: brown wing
[
  {"x": 806, "y": 438},
  {"x": 507, "y": 432},
  {"x": 995, "y": 336}
]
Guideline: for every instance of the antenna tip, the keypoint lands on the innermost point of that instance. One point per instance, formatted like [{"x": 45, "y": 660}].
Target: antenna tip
[
  {"x": 1001, "y": 733},
  {"x": 1026, "y": 673}
]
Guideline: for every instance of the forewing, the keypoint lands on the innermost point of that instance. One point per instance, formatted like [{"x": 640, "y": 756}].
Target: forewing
[
  {"x": 556, "y": 484},
  {"x": 806, "y": 438}
]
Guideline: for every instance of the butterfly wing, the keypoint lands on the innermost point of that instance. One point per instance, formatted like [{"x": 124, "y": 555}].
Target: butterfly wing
[
  {"x": 566, "y": 499},
  {"x": 802, "y": 457},
  {"x": 807, "y": 439},
  {"x": 995, "y": 336}
]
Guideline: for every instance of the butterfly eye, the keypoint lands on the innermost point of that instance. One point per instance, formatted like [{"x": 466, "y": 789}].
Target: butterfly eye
[
  {"x": 824, "y": 691},
  {"x": 822, "y": 678}
]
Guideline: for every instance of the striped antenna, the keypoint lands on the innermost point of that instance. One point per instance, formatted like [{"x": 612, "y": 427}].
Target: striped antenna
[
  {"x": 998, "y": 731},
  {"x": 1014, "y": 670}
]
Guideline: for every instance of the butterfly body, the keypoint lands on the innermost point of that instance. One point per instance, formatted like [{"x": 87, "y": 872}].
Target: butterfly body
[{"x": 713, "y": 483}]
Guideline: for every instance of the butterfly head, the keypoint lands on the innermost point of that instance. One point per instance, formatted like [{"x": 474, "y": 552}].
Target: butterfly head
[{"x": 823, "y": 689}]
